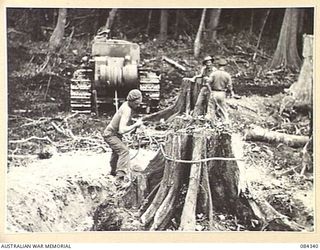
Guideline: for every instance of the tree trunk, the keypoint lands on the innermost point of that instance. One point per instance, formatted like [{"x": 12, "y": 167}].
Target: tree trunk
[
  {"x": 301, "y": 90},
  {"x": 213, "y": 23},
  {"x": 163, "y": 25},
  {"x": 111, "y": 17},
  {"x": 286, "y": 54},
  {"x": 176, "y": 25},
  {"x": 58, "y": 33},
  {"x": 149, "y": 22},
  {"x": 197, "y": 41},
  {"x": 261, "y": 134},
  {"x": 36, "y": 32},
  {"x": 54, "y": 17},
  {"x": 260, "y": 34},
  {"x": 251, "y": 22}
]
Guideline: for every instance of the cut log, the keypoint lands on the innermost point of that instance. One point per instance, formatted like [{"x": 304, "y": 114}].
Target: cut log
[
  {"x": 261, "y": 134},
  {"x": 173, "y": 63}
]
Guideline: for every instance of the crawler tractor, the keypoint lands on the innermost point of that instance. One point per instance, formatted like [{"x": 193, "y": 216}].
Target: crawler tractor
[{"x": 106, "y": 77}]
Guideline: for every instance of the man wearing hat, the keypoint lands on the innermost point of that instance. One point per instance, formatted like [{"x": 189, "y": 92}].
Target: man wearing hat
[
  {"x": 120, "y": 160},
  {"x": 207, "y": 68},
  {"x": 219, "y": 84},
  {"x": 205, "y": 72}
]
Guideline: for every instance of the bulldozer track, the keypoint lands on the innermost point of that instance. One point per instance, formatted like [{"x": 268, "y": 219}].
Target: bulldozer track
[{"x": 80, "y": 92}]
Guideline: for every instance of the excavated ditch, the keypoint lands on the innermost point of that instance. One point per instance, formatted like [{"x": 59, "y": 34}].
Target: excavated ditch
[{"x": 67, "y": 193}]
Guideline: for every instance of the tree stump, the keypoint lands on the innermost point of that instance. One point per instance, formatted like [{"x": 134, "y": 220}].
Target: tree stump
[
  {"x": 185, "y": 101},
  {"x": 300, "y": 92},
  {"x": 199, "y": 170},
  {"x": 201, "y": 159}
]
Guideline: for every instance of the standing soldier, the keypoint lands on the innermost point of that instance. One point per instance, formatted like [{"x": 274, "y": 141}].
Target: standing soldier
[
  {"x": 120, "y": 160},
  {"x": 205, "y": 72},
  {"x": 219, "y": 84}
]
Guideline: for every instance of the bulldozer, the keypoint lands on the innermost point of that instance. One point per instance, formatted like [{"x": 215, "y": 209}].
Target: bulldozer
[{"x": 109, "y": 73}]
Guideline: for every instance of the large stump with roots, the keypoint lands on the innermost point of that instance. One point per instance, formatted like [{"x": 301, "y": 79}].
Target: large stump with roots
[
  {"x": 199, "y": 170},
  {"x": 202, "y": 160}
]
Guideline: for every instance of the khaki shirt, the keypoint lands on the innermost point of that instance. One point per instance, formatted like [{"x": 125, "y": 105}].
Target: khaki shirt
[
  {"x": 220, "y": 80},
  {"x": 207, "y": 71}
]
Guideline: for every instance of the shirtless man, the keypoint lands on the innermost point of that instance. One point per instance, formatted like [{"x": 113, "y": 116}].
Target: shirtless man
[{"x": 120, "y": 159}]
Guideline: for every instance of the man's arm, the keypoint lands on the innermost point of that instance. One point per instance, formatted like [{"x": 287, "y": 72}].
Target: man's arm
[
  {"x": 229, "y": 86},
  {"x": 124, "y": 120},
  {"x": 208, "y": 82},
  {"x": 199, "y": 75}
]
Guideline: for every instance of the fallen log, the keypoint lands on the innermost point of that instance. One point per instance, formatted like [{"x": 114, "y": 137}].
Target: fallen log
[
  {"x": 261, "y": 134},
  {"x": 173, "y": 63}
]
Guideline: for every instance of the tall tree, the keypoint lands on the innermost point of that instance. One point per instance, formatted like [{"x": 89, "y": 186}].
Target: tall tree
[
  {"x": 213, "y": 23},
  {"x": 251, "y": 22},
  {"x": 286, "y": 54},
  {"x": 149, "y": 22},
  {"x": 301, "y": 90},
  {"x": 176, "y": 25},
  {"x": 36, "y": 20},
  {"x": 111, "y": 17},
  {"x": 197, "y": 41},
  {"x": 163, "y": 25},
  {"x": 58, "y": 33},
  {"x": 260, "y": 33}
]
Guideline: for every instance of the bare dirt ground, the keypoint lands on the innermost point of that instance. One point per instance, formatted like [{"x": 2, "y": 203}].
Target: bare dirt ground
[{"x": 62, "y": 193}]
